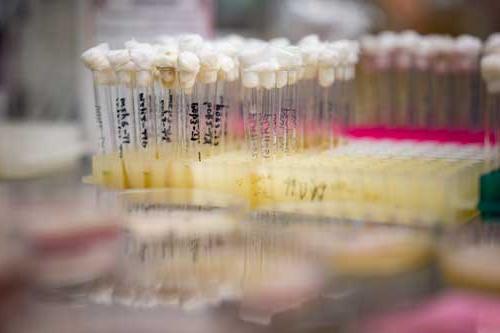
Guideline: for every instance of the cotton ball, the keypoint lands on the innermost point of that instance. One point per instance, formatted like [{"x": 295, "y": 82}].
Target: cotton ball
[
  {"x": 95, "y": 58},
  {"x": 250, "y": 79},
  {"x": 190, "y": 43}
]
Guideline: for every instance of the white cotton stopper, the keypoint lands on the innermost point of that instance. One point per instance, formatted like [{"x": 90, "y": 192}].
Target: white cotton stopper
[
  {"x": 267, "y": 72},
  {"x": 326, "y": 76},
  {"x": 407, "y": 39},
  {"x": 279, "y": 42},
  {"x": 188, "y": 65},
  {"x": 118, "y": 58},
  {"x": 165, "y": 56},
  {"x": 310, "y": 60},
  {"x": 369, "y": 44},
  {"x": 492, "y": 44},
  {"x": 190, "y": 43},
  {"x": 227, "y": 66},
  {"x": 144, "y": 78},
  {"x": 328, "y": 59},
  {"x": 209, "y": 64},
  {"x": 187, "y": 79},
  {"x": 188, "y": 62},
  {"x": 142, "y": 56},
  {"x": 309, "y": 40},
  {"x": 468, "y": 45},
  {"x": 253, "y": 55},
  {"x": 95, "y": 58},
  {"x": 105, "y": 77},
  {"x": 267, "y": 79},
  {"x": 387, "y": 42},
  {"x": 167, "y": 76},
  {"x": 207, "y": 76},
  {"x": 350, "y": 72},
  {"x": 490, "y": 70},
  {"x": 126, "y": 72},
  {"x": 250, "y": 79},
  {"x": 281, "y": 78},
  {"x": 422, "y": 53},
  {"x": 288, "y": 57}
]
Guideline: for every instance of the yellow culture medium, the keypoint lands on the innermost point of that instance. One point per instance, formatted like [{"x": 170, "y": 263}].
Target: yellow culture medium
[{"x": 379, "y": 188}]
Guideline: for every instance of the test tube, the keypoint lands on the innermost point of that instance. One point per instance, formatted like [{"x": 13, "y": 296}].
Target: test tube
[
  {"x": 370, "y": 102},
  {"x": 290, "y": 104},
  {"x": 384, "y": 81},
  {"x": 251, "y": 104},
  {"x": 144, "y": 103},
  {"x": 167, "y": 112},
  {"x": 403, "y": 76},
  {"x": 269, "y": 107},
  {"x": 123, "y": 99},
  {"x": 422, "y": 94},
  {"x": 466, "y": 71},
  {"x": 103, "y": 79},
  {"x": 442, "y": 82},
  {"x": 103, "y": 92},
  {"x": 490, "y": 70},
  {"x": 188, "y": 66}
]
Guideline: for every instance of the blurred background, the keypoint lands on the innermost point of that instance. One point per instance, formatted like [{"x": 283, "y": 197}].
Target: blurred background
[
  {"x": 48, "y": 132},
  {"x": 42, "y": 79}
]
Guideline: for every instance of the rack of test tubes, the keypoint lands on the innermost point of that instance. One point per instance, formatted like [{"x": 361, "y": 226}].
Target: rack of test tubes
[{"x": 402, "y": 136}]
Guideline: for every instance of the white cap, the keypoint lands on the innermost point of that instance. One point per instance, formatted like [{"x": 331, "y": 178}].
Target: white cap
[
  {"x": 165, "y": 56},
  {"x": 118, "y": 58},
  {"x": 492, "y": 44},
  {"x": 96, "y": 58},
  {"x": 490, "y": 70},
  {"x": 279, "y": 42},
  {"x": 252, "y": 55},
  {"x": 408, "y": 39},
  {"x": 288, "y": 57},
  {"x": 309, "y": 40},
  {"x": 190, "y": 43},
  {"x": 142, "y": 55},
  {"x": 468, "y": 45},
  {"x": 369, "y": 44},
  {"x": 188, "y": 62}
]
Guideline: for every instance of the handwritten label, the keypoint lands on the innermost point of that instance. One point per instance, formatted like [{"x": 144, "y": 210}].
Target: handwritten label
[
  {"x": 266, "y": 134},
  {"x": 219, "y": 111},
  {"x": 166, "y": 119},
  {"x": 209, "y": 118},
  {"x": 303, "y": 190},
  {"x": 100, "y": 125},
  {"x": 143, "y": 118},
  {"x": 194, "y": 122}
]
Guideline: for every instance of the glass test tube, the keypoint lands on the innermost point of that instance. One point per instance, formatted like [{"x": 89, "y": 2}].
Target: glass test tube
[
  {"x": 167, "y": 112},
  {"x": 422, "y": 91},
  {"x": 466, "y": 71},
  {"x": 145, "y": 112},
  {"x": 267, "y": 118},
  {"x": 104, "y": 112},
  {"x": 402, "y": 83},
  {"x": 442, "y": 91},
  {"x": 125, "y": 112},
  {"x": 310, "y": 109},
  {"x": 371, "y": 106},
  {"x": 251, "y": 105},
  {"x": 344, "y": 100},
  {"x": 290, "y": 104},
  {"x": 491, "y": 128},
  {"x": 384, "y": 93},
  {"x": 190, "y": 122},
  {"x": 234, "y": 126},
  {"x": 221, "y": 116},
  {"x": 329, "y": 103},
  {"x": 210, "y": 125}
]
